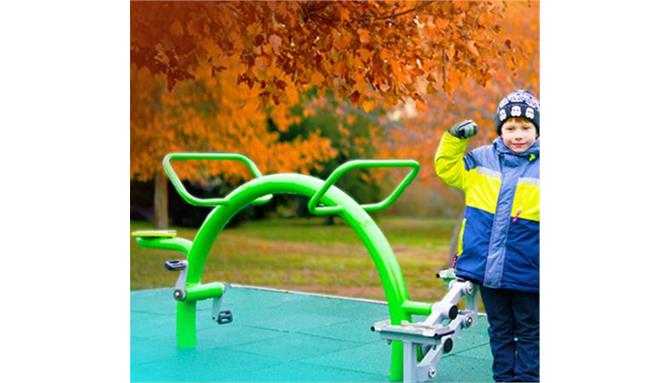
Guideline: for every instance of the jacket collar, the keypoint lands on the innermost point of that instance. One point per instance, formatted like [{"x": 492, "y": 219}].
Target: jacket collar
[{"x": 533, "y": 152}]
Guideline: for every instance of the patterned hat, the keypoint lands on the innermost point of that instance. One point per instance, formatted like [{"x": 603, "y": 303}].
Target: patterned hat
[{"x": 518, "y": 103}]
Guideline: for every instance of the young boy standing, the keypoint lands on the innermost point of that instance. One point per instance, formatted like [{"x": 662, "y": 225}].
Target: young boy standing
[{"x": 498, "y": 244}]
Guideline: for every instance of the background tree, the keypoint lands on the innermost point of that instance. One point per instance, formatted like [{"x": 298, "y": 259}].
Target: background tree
[
  {"x": 264, "y": 55},
  {"x": 208, "y": 114},
  {"x": 353, "y": 133},
  {"x": 416, "y": 135}
]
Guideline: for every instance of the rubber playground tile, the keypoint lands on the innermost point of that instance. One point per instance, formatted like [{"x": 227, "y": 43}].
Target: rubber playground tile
[
  {"x": 155, "y": 301},
  {"x": 209, "y": 334},
  {"x": 350, "y": 309},
  {"x": 465, "y": 342},
  {"x": 456, "y": 368},
  {"x": 144, "y": 350},
  {"x": 304, "y": 338},
  {"x": 357, "y": 331},
  {"x": 146, "y": 325},
  {"x": 233, "y": 334},
  {"x": 306, "y": 372},
  {"x": 199, "y": 365},
  {"x": 264, "y": 298},
  {"x": 376, "y": 357},
  {"x": 284, "y": 320},
  {"x": 372, "y": 358},
  {"x": 482, "y": 352},
  {"x": 295, "y": 347}
]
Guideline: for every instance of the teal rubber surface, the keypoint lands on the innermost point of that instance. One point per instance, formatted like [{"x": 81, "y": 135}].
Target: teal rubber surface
[{"x": 279, "y": 336}]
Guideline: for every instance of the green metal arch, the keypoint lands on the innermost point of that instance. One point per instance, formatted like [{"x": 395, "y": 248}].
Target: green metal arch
[
  {"x": 283, "y": 183},
  {"x": 400, "y": 307}
]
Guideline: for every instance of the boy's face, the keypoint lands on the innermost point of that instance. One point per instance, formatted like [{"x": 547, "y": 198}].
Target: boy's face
[{"x": 518, "y": 134}]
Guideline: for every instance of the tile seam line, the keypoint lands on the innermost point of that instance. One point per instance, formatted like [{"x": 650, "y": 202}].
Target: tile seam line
[
  {"x": 321, "y": 295},
  {"x": 329, "y": 296}
]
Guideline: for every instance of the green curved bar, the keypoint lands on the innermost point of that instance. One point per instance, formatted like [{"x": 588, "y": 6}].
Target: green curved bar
[
  {"x": 357, "y": 164},
  {"x": 178, "y": 244},
  {"x": 181, "y": 190},
  {"x": 400, "y": 307}
]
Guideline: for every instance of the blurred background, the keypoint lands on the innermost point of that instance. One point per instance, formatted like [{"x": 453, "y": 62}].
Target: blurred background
[{"x": 304, "y": 87}]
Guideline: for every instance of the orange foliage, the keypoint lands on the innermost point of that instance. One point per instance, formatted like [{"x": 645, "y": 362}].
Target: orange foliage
[
  {"x": 205, "y": 76},
  {"x": 210, "y": 115},
  {"x": 366, "y": 52},
  {"x": 417, "y": 135}
]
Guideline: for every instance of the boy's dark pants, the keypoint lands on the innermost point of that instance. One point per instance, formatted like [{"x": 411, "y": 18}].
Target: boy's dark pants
[{"x": 513, "y": 334}]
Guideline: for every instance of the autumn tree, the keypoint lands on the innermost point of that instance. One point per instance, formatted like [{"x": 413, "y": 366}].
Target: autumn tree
[
  {"x": 264, "y": 55},
  {"x": 353, "y": 133},
  {"x": 416, "y": 135},
  {"x": 208, "y": 114}
]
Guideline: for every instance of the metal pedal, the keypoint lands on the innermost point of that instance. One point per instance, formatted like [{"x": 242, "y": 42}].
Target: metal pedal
[
  {"x": 224, "y": 317},
  {"x": 175, "y": 265}
]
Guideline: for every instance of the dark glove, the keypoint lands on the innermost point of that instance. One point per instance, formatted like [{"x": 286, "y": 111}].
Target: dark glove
[{"x": 464, "y": 129}]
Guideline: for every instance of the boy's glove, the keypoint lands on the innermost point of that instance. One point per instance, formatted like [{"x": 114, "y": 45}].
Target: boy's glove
[{"x": 464, "y": 129}]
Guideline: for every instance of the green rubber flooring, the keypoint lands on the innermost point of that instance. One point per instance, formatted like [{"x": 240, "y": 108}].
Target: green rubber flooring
[{"x": 279, "y": 336}]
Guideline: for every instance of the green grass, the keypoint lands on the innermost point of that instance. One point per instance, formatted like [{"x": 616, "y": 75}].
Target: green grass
[{"x": 306, "y": 255}]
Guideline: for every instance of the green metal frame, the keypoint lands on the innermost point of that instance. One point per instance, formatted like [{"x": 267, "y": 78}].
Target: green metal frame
[{"x": 260, "y": 190}]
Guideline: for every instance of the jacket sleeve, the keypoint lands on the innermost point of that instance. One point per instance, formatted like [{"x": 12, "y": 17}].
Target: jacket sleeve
[{"x": 449, "y": 161}]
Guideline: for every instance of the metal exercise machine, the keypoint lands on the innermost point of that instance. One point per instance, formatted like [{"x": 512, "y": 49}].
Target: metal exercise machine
[
  {"x": 424, "y": 343},
  {"x": 325, "y": 198}
]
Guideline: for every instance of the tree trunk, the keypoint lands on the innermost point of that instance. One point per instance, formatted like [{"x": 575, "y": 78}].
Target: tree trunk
[{"x": 160, "y": 201}]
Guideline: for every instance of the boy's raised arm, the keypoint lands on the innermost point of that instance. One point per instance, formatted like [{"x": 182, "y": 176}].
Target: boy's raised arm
[{"x": 449, "y": 156}]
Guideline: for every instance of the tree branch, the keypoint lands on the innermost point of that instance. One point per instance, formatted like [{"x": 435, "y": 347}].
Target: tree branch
[
  {"x": 395, "y": 15},
  {"x": 383, "y": 17}
]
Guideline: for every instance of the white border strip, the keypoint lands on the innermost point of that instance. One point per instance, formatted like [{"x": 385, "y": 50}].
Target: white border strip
[
  {"x": 318, "y": 295},
  {"x": 263, "y": 288},
  {"x": 308, "y": 293}
]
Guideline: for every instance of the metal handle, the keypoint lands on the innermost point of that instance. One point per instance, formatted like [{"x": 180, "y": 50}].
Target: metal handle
[
  {"x": 356, "y": 164},
  {"x": 181, "y": 190}
]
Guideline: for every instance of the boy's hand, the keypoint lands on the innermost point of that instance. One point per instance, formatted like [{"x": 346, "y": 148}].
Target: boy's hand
[{"x": 464, "y": 129}]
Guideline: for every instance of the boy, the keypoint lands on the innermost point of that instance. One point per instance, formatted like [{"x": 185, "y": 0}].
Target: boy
[{"x": 498, "y": 244}]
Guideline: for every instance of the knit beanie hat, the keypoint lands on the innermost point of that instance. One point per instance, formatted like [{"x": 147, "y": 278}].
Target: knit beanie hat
[{"x": 518, "y": 103}]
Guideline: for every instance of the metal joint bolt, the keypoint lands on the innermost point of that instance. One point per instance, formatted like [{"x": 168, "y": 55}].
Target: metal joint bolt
[
  {"x": 468, "y": 288},
  {"x": 179, "y": 294},
  {"x": 468, "y": 322}
]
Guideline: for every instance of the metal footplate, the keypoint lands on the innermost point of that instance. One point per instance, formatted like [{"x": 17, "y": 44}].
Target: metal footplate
[
  {"x": 432, "y": 336},
  {"x": 218, "y": 315}
]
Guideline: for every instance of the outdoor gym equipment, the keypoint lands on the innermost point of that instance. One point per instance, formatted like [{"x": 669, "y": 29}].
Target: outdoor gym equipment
[
  {"x": 325, "y": 199},
  {"x": 433, "y": 337}
]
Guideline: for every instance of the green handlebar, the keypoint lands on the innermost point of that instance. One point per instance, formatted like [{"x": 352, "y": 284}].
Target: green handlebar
[
  {"x": 181, "y": 190},
  {"x": 177, "y": 244},
  {"x": 356, "y": 164}
]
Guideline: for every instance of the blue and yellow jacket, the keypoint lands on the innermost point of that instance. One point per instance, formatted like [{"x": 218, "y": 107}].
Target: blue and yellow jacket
[{"x": 498, "y": 242}]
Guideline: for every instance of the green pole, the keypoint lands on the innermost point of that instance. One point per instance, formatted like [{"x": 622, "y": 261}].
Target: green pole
[{"x": 186, "y": 324}]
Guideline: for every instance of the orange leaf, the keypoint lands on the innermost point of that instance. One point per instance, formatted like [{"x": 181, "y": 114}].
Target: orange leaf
[
  {"x": 472, "y": 48},
  {"x": 364, "y": 36}
]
